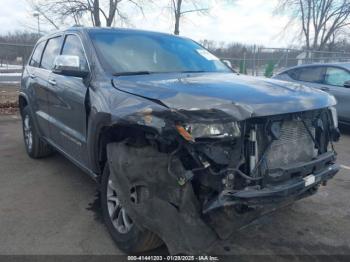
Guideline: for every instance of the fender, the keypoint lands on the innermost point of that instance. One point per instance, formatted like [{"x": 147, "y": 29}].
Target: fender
[{"x": 96, "y": 123}]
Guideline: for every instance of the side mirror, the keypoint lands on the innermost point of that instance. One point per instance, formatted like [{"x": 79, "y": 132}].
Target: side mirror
[
  {"x": 69, "y": 65},
  {"x": 347, "y": 84}
]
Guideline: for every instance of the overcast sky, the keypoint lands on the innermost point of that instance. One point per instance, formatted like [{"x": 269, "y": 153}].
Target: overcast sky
[{"x": 246, "y": 21}]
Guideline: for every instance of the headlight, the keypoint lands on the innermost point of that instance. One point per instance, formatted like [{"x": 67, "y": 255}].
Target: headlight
[
  {"x": 334, "y": 116},
  {"x": 201, "y": 130}
]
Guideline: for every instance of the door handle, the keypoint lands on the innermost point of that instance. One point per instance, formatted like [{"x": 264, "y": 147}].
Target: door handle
[
  {"x": 32, "y": 76},
  {"x": 323, "y": 88},
  {"x": 52, "y": 82}
]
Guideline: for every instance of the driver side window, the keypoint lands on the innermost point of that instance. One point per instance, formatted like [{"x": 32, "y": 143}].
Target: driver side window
[{"x": 336, "y": 76}]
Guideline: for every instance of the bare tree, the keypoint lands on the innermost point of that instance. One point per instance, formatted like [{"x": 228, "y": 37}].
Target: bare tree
[
  {"x": 178, "y": 9},
  {"x": 56, "y": 12},
  {"x": 321, "y": 21}
]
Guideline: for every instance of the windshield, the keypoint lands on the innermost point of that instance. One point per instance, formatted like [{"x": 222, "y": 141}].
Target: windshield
[{"x": 132, "y": 52}]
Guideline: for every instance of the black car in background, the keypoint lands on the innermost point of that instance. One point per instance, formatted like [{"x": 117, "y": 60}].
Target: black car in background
[
  {"x": 332, "y": 78},
  {"x": 184, "y": 150}
]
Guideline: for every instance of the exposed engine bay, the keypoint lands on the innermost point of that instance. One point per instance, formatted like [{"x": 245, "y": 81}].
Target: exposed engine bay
[{"x": 199, "y": 182}]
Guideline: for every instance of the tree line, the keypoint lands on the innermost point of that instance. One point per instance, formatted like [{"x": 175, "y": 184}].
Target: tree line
[{"x": 322, "y": 24}]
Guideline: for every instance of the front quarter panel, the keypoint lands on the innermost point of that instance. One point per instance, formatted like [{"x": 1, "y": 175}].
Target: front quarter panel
[{"x": 111, "y": 107}]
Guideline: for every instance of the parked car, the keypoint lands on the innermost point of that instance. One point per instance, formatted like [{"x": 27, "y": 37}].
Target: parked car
[
  {"x": 331, "y": 78},
  {"x": 184, "y": 150}
]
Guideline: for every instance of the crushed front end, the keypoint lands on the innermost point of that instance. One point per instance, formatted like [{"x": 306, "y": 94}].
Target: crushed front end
[
  {"x": 198, "y": 181},
  {"x": 265, "y": 161}
]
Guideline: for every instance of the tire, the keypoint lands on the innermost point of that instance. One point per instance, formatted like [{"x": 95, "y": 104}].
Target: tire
[
  {"x": 35, "y": 146},
  {"x": 130, "y": 239}
]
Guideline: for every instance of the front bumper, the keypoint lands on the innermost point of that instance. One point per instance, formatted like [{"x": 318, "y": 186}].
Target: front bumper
[{"x": 323, "y": 168}]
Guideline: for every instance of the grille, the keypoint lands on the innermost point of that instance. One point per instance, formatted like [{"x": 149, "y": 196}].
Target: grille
[{"x": 294, "y": 145}]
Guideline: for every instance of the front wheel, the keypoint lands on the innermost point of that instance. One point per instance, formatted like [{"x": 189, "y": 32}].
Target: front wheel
[{"x": 123, "y": 230}]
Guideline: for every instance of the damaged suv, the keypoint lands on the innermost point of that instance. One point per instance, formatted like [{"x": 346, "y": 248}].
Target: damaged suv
[{"x": 184, "y": 150}]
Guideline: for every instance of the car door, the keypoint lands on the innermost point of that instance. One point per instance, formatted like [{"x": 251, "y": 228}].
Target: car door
[
  {"x": 37, "y": 83},
  {"x": 67, "y": 105},
  {"x": 51, "y": 50},
  {"x": 335, "y": 77}
]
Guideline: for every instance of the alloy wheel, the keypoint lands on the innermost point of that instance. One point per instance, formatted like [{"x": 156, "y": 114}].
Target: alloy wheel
[
  {"x": 120, "y": 219},
  {"x": 28, "y": 133}
]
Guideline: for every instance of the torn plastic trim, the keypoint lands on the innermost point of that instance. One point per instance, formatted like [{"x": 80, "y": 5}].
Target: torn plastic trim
[
  {"x": 276, "y": 193},
  {"x": 164, "y": 207}
]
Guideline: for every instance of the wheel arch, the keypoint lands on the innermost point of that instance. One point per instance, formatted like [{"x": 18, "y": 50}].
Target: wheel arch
[
  {"x": 22, "y": 102},
  {"x": 102, "y": 131},
  {"x": 118, "y": 133}
]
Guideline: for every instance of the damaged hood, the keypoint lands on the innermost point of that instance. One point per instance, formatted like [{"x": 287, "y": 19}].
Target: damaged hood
[{"x": 236, "y": 95}]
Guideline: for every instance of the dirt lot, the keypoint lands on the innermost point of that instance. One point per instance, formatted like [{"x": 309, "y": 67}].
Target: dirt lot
[{"x": 47, "y": 207}]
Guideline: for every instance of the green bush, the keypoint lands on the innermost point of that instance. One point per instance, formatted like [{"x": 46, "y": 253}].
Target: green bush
[
  {"x": 269, "y": 69},
  {"x": 242, "y": 67}
]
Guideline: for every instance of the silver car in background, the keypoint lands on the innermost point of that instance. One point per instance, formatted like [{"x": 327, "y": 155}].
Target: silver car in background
[{"x": 331, "y": 78}]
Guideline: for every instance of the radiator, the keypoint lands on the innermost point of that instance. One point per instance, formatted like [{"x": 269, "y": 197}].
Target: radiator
[{"x": 294, "y": 145}]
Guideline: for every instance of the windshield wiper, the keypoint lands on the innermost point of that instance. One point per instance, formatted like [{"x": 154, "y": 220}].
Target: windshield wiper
[
  {"x": 132, "y": 73},
  {"x": 194, "y": 71}
]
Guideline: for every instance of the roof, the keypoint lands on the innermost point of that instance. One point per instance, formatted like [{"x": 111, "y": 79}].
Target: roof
[
  {"x": 77, "y": 28},
  {"x": 339, "y": 64}
]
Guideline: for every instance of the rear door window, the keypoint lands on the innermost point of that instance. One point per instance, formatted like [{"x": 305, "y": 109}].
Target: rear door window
[
  {"x": 336, "y": 76},
  {"x": 36, "y": 57},
  {"x": 52, "y": 50},
  {"x": 312, "y": 74}
]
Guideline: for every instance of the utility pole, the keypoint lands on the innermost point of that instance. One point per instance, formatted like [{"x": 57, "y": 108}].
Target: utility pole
[
  {"x": 37, "y": 15},
  {"x": 254, "y": 60}
]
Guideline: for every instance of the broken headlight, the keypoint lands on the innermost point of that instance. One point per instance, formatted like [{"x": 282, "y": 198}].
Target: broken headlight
[{"x": 217, "y": 130}]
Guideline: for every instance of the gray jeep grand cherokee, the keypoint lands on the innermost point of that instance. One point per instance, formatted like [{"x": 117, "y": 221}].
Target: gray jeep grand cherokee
[{"x": 184, "y": 150}]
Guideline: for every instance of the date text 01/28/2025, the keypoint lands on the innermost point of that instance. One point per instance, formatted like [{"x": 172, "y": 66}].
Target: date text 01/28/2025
[{"x": 173, "y": 258}]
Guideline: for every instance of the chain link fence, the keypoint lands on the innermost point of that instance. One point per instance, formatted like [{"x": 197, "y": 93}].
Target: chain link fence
[
  {"x": 13, "y": 56},
  {"x": 253, "y": 61},
  {"x": 256, "y": 61},
  {"x": 268, "y": 61}
]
